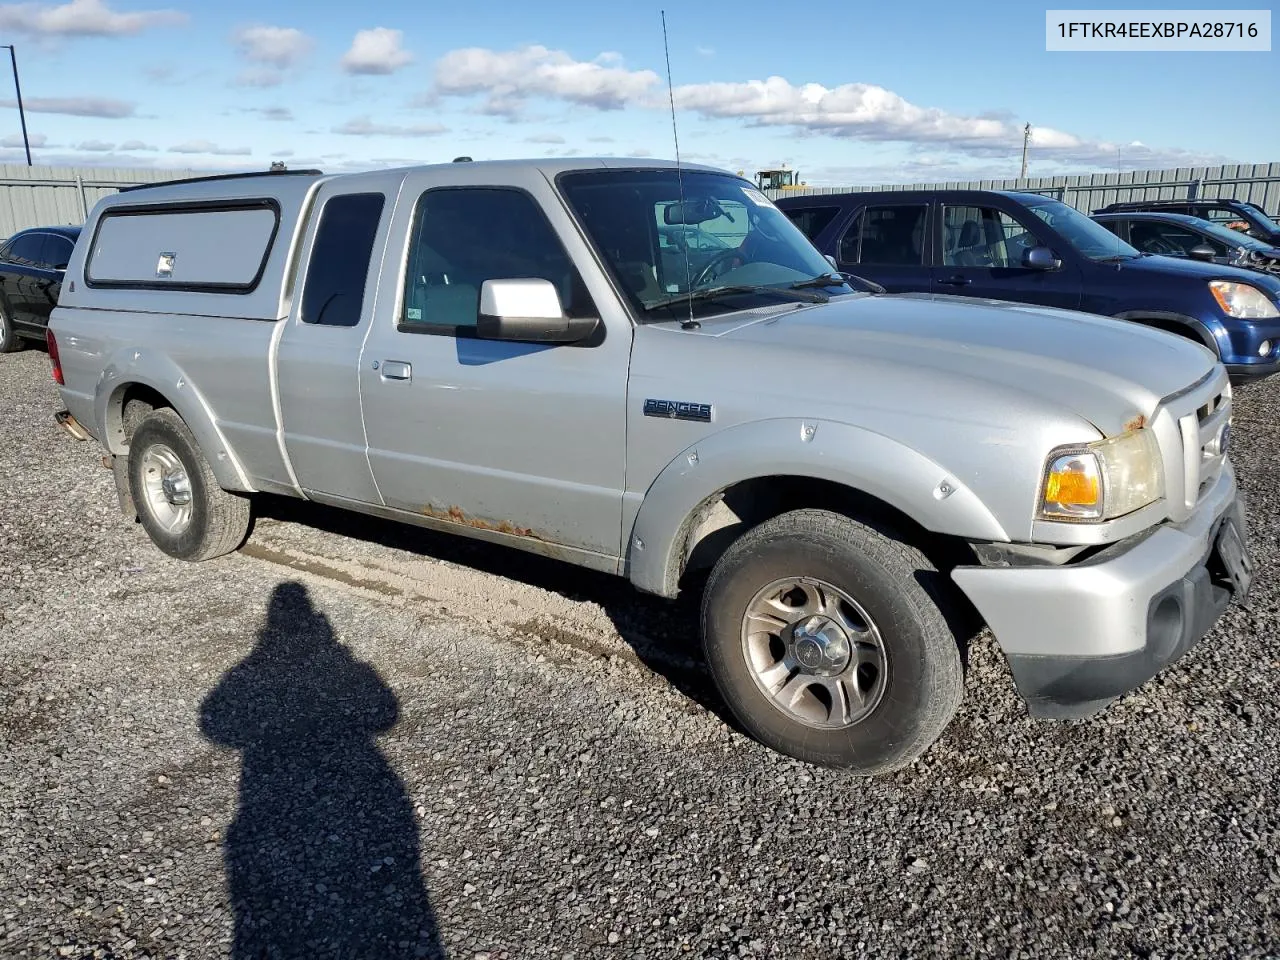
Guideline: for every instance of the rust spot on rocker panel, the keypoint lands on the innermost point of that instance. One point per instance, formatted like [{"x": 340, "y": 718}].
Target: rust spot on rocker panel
[{"x": 454, "y": 514}]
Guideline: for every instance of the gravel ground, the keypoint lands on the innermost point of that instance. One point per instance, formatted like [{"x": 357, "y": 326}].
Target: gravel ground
[{"x": 356, "y": 740}]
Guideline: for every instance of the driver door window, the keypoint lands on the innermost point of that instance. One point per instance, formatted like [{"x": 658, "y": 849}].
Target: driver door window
[
  {"x": 983, "y": 237},
  {"x": 1167, "y": 239},
  {"x": 463, "y": 236}
]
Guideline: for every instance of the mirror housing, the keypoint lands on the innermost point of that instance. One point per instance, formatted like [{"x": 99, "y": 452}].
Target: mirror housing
[
  {"x": 1040, "y": 258},
  {"x": 529, "y": 311},
  {"x": 1201, "y": 251},
  {"x": 691, "y": 212}
]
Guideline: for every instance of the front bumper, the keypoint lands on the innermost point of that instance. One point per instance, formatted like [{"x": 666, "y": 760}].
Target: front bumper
[
  {"x": 1079, "y": 635},
  {"x": 1249, "y": 372}
]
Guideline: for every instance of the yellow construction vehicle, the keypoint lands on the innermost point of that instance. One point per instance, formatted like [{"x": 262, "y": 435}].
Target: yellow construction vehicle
[{"x": 779, "y": 179}]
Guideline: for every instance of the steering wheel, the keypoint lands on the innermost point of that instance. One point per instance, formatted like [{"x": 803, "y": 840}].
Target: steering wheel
[
  {"x": 1162, "y": 247},
  {"x": 716, "y": 266}
]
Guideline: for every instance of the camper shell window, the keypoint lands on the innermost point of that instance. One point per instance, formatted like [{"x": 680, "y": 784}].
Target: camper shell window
[{"x": 213, "y": 247}]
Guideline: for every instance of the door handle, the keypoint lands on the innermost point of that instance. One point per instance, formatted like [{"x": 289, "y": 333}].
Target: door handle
[
  {"x": 396, "y": 370},
  {"x": 956, "y": 281}
]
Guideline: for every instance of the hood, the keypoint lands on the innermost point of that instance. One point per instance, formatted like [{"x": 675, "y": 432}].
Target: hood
[
  {"x": 1107, "y": 371},
  {"x": 1155, "y": 265}
]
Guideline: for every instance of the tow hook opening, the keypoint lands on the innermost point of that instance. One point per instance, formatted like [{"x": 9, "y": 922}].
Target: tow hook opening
[{"x": 71, "y": 425}]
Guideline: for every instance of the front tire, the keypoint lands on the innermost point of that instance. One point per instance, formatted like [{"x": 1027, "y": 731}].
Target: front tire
[
  {"x": 10, "y": 342},
  {"x": 179, "y": 502},
  {"x": 829, "y": 643}
]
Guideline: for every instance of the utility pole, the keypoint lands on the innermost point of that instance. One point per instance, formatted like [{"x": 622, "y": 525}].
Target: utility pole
[
  {"x": 1026, "y": 139},
  {"x": 13, "y": 56}
]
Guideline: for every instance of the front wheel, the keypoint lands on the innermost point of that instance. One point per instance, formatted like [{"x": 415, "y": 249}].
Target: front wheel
[
  {"x": 179, "y": 502},
  {"x": 828, "y": 644}
]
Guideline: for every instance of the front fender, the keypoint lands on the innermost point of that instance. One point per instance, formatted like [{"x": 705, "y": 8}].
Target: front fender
[
  {"x": 158, "y": 372},
  {"x": 838, "y": 452}
]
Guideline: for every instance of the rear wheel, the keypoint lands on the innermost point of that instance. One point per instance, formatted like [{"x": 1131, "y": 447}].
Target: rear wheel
[
  {"x": 10, "y": 342},
  {"x": 179, "y": 502},
  {"x": 829, "y": 644}
]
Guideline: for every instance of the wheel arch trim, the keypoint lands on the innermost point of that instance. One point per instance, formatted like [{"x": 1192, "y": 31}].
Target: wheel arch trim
[{"x": 850, "y": 456}]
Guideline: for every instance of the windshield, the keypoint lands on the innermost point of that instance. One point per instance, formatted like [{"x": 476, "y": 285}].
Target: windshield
[
  {"x": 1087, "y": 237},
  {"x": 726, "y": 241},
  {"x": 1228, "y": 236}
]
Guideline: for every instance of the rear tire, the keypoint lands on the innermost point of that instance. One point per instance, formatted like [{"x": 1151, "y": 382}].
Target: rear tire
[
  {"x": 10, "y": 342},
  {"x": 179, "y": 502},
  {"x": 828, "y": 640}
]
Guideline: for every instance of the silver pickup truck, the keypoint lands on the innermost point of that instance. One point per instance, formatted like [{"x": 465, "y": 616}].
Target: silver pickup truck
[{"x": 647, "y": 369}]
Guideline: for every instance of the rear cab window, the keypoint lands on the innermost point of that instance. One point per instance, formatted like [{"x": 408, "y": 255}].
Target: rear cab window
[{"x": 338, "y": 270}]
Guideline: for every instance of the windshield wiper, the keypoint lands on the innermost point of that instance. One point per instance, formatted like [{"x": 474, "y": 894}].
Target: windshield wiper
[
  {"x": 1119, "y": 258},
  {"x": 712, "y": 293},
  {"x": 838, "y": 279}
]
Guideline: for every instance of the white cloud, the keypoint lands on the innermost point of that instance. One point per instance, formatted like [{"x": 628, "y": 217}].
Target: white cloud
[
  {"x": 508, "y": 78},
  {"x": 96, "y": 146},
  {"x": 82, "y": 18},
  {"x": 364, "y": 127},
  {"x": 376, "y": 51},
  {"x": 137, "y": 145},
  {"x": 851, "y": 111},
  {"x": 15, "y": 140},
  {"x": 280, "y": 47},
  {"x": 705, "y": 51},
  {"x": 77, "y": 106},
  {"x": 544, "y": 138},
  {"x": 209, "y": 148},
  {"x": 859, "y": 110},
  {"x": 271, "y": 113},
  {"x": 260, "y": 77},
  {"x": 283, "y": 153}
]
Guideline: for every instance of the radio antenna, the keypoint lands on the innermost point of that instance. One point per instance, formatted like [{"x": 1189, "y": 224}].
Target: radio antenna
[{"x": 690, "y": 324}]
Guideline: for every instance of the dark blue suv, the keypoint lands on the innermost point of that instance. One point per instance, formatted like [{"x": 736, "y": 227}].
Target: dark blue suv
[{"x": 1034, "y": 249}]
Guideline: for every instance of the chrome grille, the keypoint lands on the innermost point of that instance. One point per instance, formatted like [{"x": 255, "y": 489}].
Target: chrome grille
[{"x": 1201, "y": 430}]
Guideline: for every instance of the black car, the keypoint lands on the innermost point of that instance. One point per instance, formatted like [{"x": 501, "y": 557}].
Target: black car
[
  {"x": 32, "y": 263},
  {"x": 1176, "y": 235},
  {"x": 1236, "y": 214}
]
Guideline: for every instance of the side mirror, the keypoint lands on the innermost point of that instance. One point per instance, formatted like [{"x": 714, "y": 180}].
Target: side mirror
[
  {"x": 1202, "y": 251},
  {"x": 1040, "y": 258},
  {"x": 528, "y": 311}
]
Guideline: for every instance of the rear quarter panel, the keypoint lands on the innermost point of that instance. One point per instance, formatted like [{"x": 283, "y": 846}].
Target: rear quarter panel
[{"x": 214, "y": 370}]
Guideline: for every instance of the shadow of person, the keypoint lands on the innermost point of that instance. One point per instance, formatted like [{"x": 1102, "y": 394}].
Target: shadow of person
[{"x": 322, "y": 858}]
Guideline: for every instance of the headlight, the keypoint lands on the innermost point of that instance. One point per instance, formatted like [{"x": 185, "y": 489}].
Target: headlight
[
  {"x": 1104, "y": 479},
  {"x": 1242, "y": 300}
]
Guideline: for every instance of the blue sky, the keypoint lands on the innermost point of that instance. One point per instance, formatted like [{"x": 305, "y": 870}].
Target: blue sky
[{"x": 845, "y": 93}]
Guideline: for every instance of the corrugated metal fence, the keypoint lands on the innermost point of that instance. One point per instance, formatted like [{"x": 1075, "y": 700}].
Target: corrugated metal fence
[
  {"x": 1257, "y": 182},
  {"x": 44, "y": 196},
  {"x": 41, "y": 196}
]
